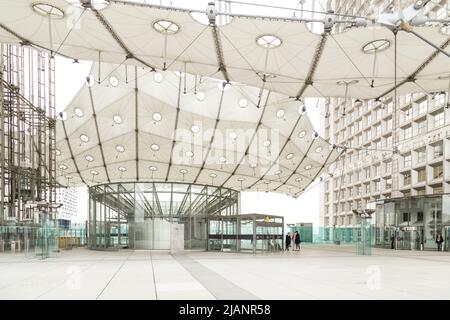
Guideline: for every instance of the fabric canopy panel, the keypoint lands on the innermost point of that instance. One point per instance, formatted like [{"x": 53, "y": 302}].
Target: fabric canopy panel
[
  {"x": 131, "y": 124},
  {"x": 280, "y": 55}
]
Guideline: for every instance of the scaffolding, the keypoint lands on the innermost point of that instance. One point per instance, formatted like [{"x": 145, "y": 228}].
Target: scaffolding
[{"x": 27, "y": 136}]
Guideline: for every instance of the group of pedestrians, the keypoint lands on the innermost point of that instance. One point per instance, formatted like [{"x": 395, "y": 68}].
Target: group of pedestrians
[{"x": 295, "y": 238}]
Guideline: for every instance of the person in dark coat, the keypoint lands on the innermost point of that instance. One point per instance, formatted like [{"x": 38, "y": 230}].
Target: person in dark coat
[
  {"x": 297, "y": 240},
  {"x": 288, "y": 241},
  {"x": 439, "y": 241}
]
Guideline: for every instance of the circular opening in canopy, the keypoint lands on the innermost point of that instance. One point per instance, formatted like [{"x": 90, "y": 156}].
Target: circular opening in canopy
[
  {"x": 195, "y": 128},
  {"x": 117, "y": 119},
  {"x": 154, "y": 147},
  {"x": 48, "y": 10},
  {"x": 91, "y": 4},
  {"x": 89, "y": 158},
  {"x": 84, "y": 138},
  {"x": 120, "y": 148},
  {"x": 243, "y": 103},
  {"x": 376, "y": 46},
  {"x": 157, "y": 116},
  {"x": 158, "y": 77},
  {"x": 113, "y": 81},
  {"x": 78, "y": 112},
  {"x": 252, "y": 165},
  {"x": 308, "y": 167},
  {"x": 280, "y": 113},
  {"x": 166, "y": 27},
  {"x": 153, "y": 168},
  {"x": 289, "y": 156},
  {"x": 268, "y": 41},
  {"x": 200, "y": 96},
  {"x": 302, "y": 134},
  {"x": 189, "y": 154}
]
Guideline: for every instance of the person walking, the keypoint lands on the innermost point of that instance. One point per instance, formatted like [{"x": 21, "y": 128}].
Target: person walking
[
  {"x": 439, "y": 241},
  {"x": 287, "y": 241},
  {"x": 297, "y": 240}
]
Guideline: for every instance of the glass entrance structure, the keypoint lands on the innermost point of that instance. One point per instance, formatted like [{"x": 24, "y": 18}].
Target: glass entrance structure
[
  {"x": 246, "y": 233},
  {"x": 145, "y": 215},
  {"x": 412, "y": 223}
]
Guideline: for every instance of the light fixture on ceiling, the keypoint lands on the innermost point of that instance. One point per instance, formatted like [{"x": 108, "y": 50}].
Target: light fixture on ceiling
[
  {"x": 57, "y": 152},
  {"x": 89, "y": 158},
  {"x": 308, "y": 167},
  {"x": 122, "y": 169},
  {"x": 302, "y": 134},
  {"x": 266, "y": 143},
  {"x": 153, "y": 168},
  {"x": 232, "y": 135},
  {"x": 319, "y": 149},
  {"x": 154, "y": 147},
  {"x": 289, "y": 156},
  {"x": 94, "y": 173},
  {"x": 62, "y": 167}
]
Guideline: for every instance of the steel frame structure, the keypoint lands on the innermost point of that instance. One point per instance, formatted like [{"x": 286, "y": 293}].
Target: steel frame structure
[{"x": 27, "y": 135}]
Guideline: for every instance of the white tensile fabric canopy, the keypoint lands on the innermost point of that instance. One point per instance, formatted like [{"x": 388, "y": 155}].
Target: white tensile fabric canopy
[
  {"x": 137, "y": 125},
  {"x": 281, "y": 55}
]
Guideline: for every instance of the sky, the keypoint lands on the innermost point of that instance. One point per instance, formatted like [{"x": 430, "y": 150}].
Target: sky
[{"x": 70, "y": 77}]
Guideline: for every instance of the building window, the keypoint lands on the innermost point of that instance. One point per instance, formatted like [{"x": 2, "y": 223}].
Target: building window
[
  {"x": 378, "y": 130},
  {"x": 407, "y": 160},
  {"x": 421, "y": 155},
  {"x": 377, "y": 186},
  {"x": 389, "y": 183},
  {"x": 438, "y": 150},
  {"x": 438, "y": 171},
  {"x": 407, "y": 133},
  {"x": 369, "y": 135},
  {"x": 420, "y": 216},
  {"x": 389, "y": 124},
  {"x": 367, "y": 173},
  {"x": 408, "y": 114},
  {"x": 421, "y": 175},
  {"x": 388, "y": 167},
  {"x": 439, "y": 119},
  {"x": 405, "y": 216},
  {"x": 437, "y": 190},
  {"x": 422, "y": 108},
  {"x": 389, "y": 141},
  {"x": 369, "y": 119},
  {"x": 439, "y": 99},
  {"x": 367, "y": 188},
  {"x": 422, "y": 126},
  {"x": 406, "y": 178},
  {"x": 377, "y": 170},
  {"x": 378, "y": 114}
]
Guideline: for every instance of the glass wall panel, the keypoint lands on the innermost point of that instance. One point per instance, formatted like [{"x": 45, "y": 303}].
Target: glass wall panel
[{"x": 141, "y": 215}]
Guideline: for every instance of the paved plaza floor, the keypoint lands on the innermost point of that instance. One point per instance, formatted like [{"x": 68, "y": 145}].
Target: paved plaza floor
[{"x": 317, "y": 272}]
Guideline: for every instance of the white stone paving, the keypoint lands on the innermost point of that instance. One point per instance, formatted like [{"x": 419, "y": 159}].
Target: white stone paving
[{"x": 317, "y": 272}]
